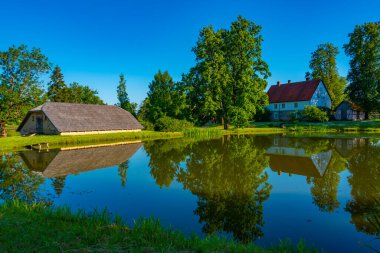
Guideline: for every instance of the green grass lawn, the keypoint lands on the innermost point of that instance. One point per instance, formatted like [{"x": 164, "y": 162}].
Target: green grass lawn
[{"x": 36, "y": 228}]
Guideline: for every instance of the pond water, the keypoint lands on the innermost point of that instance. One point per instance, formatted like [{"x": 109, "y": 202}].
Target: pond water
[{"x": 250, "y": 188}]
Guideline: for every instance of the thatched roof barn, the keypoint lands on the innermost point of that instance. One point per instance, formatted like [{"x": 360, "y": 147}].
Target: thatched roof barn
[
  {"x": 56, "y": 163},
  {"x": 71, "y": 119}
]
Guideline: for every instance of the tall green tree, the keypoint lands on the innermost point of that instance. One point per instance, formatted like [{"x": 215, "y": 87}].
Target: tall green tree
[
  {"x": 165, "y": 98},
  {"x": 82, "y": 94},
  {"x": 123, "y": 97},
  {"x": 57, "y": 86},
  {"x": 323, "y": 66},
  {"x": 228, "y": 81},
  {"x": 364, "y": 73},
  {"x": 20, "y": 81}
]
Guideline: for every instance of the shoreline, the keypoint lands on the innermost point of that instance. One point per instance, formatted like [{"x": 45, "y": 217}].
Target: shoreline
[
  {"x": 23, "y": 225},
  {"x": 15, "y": 143}
]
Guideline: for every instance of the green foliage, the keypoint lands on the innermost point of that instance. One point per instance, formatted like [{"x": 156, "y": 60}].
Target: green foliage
[
  {"x": 296, "y": 116},
  {"x": 167, "y": 124},
  {"x": 364, "y": 73},
  {"x": 230, "y": 76},
  {"x": 123, "y": 98},
  {"x": 82, "y": 94},
  {"x": 20, "y": 81},
  {"x": 314, "y": 114},
  {"x": 263, "y": 116},
  {"x": 147, "y": 125},
  {"x": 165, "y": 98},
  {"x": 323, "y": 66},
  {"x": 57, "y": 86}
]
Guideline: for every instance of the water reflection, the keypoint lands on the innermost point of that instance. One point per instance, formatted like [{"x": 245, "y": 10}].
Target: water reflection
[
  {"x": 230, "y": 176},
  {"x": 17, "y": 181},
  {"x": 62, "y": 162}
]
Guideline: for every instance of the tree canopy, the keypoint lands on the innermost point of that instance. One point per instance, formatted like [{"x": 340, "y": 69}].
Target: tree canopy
[
  {"x": 364, "y": 73},
  {"x": 323, "y": 66},
  {"x": 21, "y": 87},
  {"x": 165, "y": 98},
  {"x": 227, "y": 84}
]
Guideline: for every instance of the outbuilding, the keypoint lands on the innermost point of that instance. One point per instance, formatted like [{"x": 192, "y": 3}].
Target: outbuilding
[
  {"x": 349, "y": 111},
  {"x": 75, "y": 119}
]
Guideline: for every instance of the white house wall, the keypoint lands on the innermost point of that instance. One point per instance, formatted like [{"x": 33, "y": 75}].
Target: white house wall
[
  {"x": 320, "y": 97},
  {"x": 289, "y": 106}
]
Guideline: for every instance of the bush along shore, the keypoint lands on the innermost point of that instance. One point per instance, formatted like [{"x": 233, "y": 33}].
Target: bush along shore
[{"x": 38, "y": 228}]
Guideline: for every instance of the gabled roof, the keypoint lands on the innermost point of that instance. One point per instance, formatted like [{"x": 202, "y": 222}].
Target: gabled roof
[
  {"x": 67, "y": 117},
  {"x": 291, "y": 92},
  {"x": 354, "y": 106}
]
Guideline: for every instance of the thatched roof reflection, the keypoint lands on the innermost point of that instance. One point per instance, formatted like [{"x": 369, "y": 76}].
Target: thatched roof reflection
[{"x": 58, "y": 163}]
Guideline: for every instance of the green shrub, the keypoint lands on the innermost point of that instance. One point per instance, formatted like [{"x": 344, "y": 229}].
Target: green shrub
[
  {"x": 314, "y": 114},
  {"x": 263, "y": 115},
  {"x": 295, "y": 116},
  {"x": 147, "y": 125},
  {"x": 167, "y": 124}
]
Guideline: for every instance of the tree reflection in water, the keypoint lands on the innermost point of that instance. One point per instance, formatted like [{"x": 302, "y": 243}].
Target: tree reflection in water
[
  {"x": 18, "y": 182},
  {"x": 226, "y": 175},
  {"x": 365, "y": 188}
]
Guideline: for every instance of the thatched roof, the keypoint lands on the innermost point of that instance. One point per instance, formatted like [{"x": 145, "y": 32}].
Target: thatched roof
[
  {"x": 58, "y": 163},
  {"x": 67, "y": 117}
]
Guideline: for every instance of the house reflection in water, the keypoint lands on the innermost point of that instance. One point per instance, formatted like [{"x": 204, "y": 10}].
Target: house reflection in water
[
  {"x": 285, "y": 157},
  {"x": 62, "y": 162}
]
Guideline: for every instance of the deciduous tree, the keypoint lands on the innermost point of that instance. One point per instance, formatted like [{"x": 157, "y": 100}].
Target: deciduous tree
[
  {"x": 230, "y": 75},
  {"x": 364, "y": 73},
  {"x": 20, "y": 81},
  {"x": 323, "y": 66},
  {"x": 165, "y": 98}
]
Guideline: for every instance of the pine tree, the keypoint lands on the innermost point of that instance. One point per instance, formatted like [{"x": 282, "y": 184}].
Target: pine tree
[
  {"x": 57, "y": 86},
  {"x": 123, "y": 97}
]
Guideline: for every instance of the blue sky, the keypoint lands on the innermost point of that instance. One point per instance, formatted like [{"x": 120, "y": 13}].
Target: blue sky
[{"x": 94, "y": 41}]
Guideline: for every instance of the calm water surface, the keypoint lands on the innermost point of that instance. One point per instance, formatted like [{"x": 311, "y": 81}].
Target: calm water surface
[{"x": 251, "y": 188}]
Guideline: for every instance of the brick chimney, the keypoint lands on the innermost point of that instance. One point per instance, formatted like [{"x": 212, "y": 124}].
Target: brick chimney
[
  {"x": 278, "y": 83},
  {"x": 289, "y": 81}
]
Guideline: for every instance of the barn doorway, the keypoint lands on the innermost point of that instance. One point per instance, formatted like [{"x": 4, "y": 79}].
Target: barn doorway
[{"x": 39, "y": 125}]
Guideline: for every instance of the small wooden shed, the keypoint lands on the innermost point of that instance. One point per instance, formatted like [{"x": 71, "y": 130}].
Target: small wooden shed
[
  {"x": 349, "y": 111},
  {"x": 75, "y": 119}
]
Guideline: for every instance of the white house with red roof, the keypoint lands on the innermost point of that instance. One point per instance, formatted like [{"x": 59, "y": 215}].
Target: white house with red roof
[{"x": 292, "y": 97}]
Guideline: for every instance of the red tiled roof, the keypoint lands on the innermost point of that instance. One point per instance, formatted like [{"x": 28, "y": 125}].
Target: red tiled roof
[{"x": 289, "y": 92}]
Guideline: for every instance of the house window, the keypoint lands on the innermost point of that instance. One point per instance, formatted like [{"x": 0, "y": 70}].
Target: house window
[
  {"x": 275, "y": 106},
  {"x": 295, "y": 105},
  {"x": 283, "y": 106},
  {"x": 275, "y": 115}
]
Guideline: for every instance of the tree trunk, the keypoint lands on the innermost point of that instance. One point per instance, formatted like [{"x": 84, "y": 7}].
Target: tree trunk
[
  {"x": 3, "y": 131},
  {"x": 366, "y": 115}
]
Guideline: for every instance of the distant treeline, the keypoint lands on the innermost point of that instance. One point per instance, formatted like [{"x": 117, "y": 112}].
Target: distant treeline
[{"x": 226, "y": 85}]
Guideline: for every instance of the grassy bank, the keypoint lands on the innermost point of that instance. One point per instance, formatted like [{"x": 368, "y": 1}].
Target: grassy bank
[
  {"x": 35, "y": 228},
  {"x": 369, "y": 126},
  {"x": 17, "y": 142}
]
